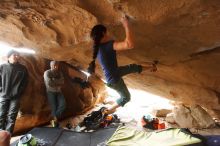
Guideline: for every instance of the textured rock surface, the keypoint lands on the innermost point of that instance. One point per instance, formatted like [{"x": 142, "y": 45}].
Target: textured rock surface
[
  {"x": 162, "y": 112},
  {"x": 203, "y": 119},
  {"x": 183, "y": 117},
  {"x": 190, "y": 117},
  {"x": 183, "y": 35}
]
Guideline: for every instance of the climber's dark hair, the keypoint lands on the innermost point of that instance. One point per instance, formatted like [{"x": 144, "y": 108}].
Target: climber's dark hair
[{"x": 97, "y": 33}]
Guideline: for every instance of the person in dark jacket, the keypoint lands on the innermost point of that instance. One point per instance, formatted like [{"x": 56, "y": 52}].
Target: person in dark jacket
[
  {"x": 104, "y": 48},
  {"x": 13, "y": 80}
]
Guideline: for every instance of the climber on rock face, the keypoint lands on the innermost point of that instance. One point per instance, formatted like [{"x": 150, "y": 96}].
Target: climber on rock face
[{"x": 104, "y": 48}]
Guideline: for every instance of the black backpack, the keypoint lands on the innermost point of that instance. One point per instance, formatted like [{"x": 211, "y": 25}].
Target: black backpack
[{"x": 93, "y": 120}]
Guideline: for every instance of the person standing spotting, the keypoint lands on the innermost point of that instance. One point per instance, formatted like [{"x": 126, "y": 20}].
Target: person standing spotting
[
  {"x": 13, "y": 82},
  {"x": 104, "y": 48},
  {"x": 54, "y": 80}
]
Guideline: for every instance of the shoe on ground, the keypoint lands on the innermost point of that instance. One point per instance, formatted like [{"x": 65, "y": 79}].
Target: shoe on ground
[{"x": 54, "y": 123}]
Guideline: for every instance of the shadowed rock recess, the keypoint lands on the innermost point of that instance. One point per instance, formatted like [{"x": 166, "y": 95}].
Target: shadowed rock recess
[{"x": 184, "y": 36}]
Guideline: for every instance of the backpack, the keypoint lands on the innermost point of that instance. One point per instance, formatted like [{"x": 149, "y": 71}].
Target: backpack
[{"x": 94, "y": 119}]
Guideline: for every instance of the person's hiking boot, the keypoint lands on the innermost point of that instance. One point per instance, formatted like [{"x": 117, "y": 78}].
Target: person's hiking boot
[{"x": 54, "y": 123}]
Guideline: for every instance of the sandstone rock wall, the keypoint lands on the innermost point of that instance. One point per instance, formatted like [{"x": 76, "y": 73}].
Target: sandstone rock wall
[{"x": 183, "y": 35}]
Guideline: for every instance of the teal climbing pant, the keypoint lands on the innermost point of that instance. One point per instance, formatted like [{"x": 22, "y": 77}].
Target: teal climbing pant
[{"x": 120, "y": 86}]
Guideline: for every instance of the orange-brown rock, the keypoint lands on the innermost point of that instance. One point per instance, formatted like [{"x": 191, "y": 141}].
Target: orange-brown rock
[
  {"x": 182, "y": 35},
  {"x": 190, "y": 117}
]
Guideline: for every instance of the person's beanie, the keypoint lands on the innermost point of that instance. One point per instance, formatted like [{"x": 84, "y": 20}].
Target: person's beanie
[{"x": 11, "y": 52}]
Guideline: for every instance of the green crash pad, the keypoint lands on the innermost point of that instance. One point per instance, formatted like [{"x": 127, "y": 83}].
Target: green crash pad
[{"x": 126, "y": 136}]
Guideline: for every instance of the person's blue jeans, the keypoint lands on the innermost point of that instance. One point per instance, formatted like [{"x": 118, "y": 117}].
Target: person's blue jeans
[
  {"x": 120, "y": 86},
  {"x": 57, "y": 103},
  {"x": 8, "y": 113}
]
